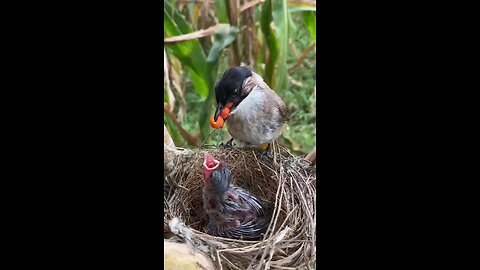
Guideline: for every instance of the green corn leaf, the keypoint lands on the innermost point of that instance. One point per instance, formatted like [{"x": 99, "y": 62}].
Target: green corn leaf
[
  {"x": 223, "y": 37},
  {"x": 281, "y": 19},
  {"x": 292, "y": 28},
  {"x": 191, "y": 11},
  {"x": 301, "y": 8},
  {"x": 181, "y": 24},
  {"x": 309, "y": 19},
  {"x": 221, "y": 11},
  {"x": 271, "y": 41},
  {"x": 189, "y": 52},
  {"x": 166, "y": 99},
  {"x": 171, "y": 4}
]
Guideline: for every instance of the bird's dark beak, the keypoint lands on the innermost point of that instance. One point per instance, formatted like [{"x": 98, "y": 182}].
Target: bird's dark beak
[{"x": 218, "y": 111}]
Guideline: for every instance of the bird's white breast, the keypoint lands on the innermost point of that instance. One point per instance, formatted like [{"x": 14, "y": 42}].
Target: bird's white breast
[
  {"x": 250, "y": 122},
  {"x": 250, "y": 105}
]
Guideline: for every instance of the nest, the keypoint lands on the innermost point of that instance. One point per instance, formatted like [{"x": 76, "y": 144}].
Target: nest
[{"x": 286, "y": 181}]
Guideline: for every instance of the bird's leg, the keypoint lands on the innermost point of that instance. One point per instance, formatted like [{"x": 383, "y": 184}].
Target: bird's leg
[
  {"x": 229, "y": 144},
  {"x": 266, "y": 149}
]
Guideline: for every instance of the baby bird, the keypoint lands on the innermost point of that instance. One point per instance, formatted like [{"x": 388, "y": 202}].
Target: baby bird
[{"x": 232, "y": 211}]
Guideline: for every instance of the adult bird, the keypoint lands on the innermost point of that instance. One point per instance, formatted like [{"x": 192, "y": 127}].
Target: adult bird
[
  {"x": 257, "y": 113},
  {"x": 232, "y": 211}
]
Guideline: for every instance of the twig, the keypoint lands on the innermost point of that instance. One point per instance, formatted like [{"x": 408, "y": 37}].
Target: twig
[
  {"x": 204, "y": 13},
  {"x": 206, "y": 139},
  {"x": 304, "y": 55},
  {"x": 167, "y": 139},
  {"x": 175, "y": 80},
  {"x": 166, "y": 77},
  {"x": 189, "y": 138},
  {"x": 250, "y": 4},
  {"x": 302, "y": 3},
  {"x": 312, "y": 156},
  {"x": 194, "y": 35},
  {"x": 232, "y": 12}
]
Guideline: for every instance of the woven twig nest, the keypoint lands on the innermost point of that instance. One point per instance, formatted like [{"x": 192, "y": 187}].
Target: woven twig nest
[{"x": 286, "y": 181}]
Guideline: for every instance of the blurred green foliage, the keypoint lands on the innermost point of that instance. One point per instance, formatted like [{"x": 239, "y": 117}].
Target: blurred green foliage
[{"x": 276, "y": 38}]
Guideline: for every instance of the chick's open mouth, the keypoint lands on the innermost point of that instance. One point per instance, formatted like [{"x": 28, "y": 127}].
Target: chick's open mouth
[{"x": 210, "y": 163}]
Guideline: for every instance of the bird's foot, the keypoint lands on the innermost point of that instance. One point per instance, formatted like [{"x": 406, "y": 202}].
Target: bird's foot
[
  {"x": 229, "y": 144},
  {"x": 266, "y": 149}
]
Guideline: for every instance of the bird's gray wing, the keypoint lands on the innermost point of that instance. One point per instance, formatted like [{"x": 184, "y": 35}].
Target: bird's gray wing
[{"x": 283, "y": 111}]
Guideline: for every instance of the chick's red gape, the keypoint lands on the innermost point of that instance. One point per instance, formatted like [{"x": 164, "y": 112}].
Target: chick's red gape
[{"x": 210, "y": 164}]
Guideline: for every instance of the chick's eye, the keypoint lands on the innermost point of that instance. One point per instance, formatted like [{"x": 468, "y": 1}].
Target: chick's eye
[{"x": 235, "y": 90}]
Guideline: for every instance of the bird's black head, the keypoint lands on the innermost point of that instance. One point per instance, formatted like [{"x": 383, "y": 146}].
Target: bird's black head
[
  {"x": 220, "y": 180},
  {"x": 229, "y": 88}
]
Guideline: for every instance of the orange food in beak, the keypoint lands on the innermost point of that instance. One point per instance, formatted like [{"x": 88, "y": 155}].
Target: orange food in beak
[
  {"x": 217, "y": 124},
  {"x": 221, "y": 118},
  {"x": 226, "y": 111},
  {"x": 224, "y": 114}
]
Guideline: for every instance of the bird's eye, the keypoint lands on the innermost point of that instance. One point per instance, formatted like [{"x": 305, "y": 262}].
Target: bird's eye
[{"x": 235, "y": 90}]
